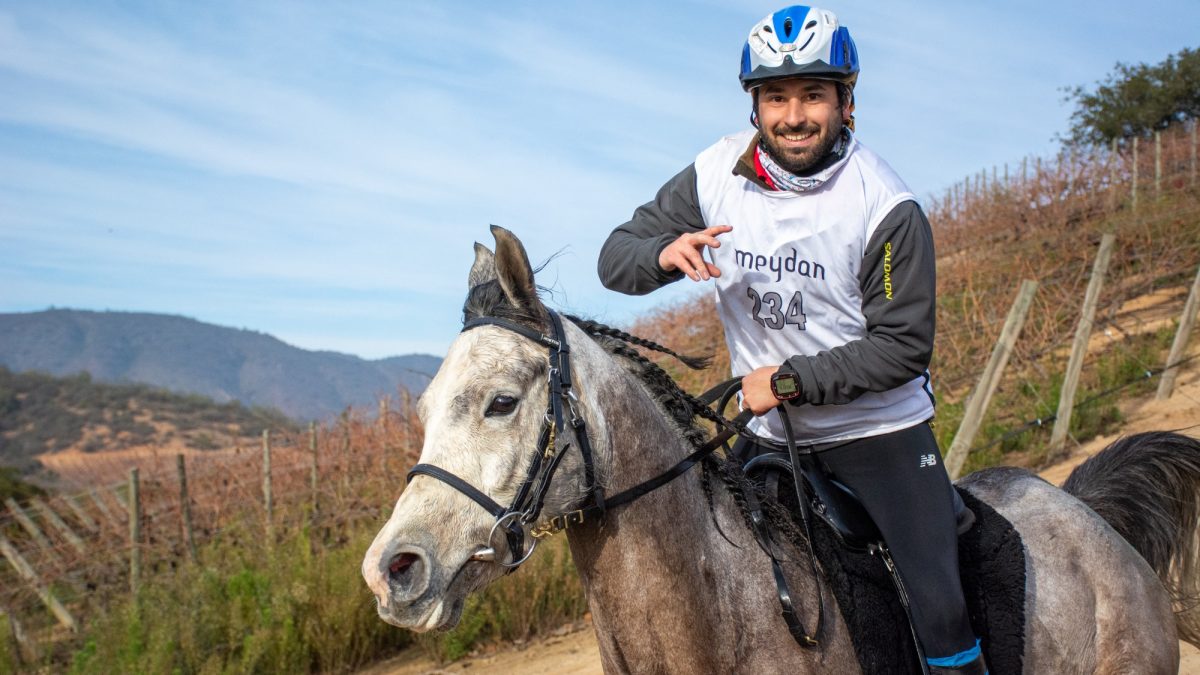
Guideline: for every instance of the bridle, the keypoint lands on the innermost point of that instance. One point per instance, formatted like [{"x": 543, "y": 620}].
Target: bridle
[{"x": 526, "y": 508}]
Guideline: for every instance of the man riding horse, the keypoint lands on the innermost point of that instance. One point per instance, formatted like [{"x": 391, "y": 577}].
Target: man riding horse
[{"x": 823, "y": 264}]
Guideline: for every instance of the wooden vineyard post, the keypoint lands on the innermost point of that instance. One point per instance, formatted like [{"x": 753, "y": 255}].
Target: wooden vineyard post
[
  {"x": 315, "y": 469},
  {"x": 1112, "y": 176},
  {"x": 383, "y": 435},
  {"x": 185, "y": 507},
  {"x": 1186, "y": 321},
  {"x": 1070, "y": 161},
  {"x": 347, "y": 459},
  {"x": 135, "y": 532},
  {"x": 1134, "y": 183},
  {"x": 981, "y": 397},
  {"x": 59, "y": 524},
  {"x": 266, "y": 485},
  {"x": 1157, "y": 164},
  {"x": 25, "y": 570},
  {"x": 1195, "y": 123},
  {"x": 1083, "y": 332},
  {"x": 26, "y": 522}
]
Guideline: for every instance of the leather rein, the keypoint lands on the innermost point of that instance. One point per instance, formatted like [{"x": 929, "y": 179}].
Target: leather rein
[
  {"x": 553, "y": 443},
  {"x": 526, "y": 508}
]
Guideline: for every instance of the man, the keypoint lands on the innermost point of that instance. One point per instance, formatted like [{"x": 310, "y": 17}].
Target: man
[{"x": 823, "y": 265}]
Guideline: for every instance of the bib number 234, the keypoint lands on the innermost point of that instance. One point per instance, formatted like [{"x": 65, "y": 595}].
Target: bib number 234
[{"x": 770, "y": 311}]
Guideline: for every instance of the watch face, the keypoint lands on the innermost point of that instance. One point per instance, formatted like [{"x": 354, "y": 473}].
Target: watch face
[{"x": 785, "y": 385}]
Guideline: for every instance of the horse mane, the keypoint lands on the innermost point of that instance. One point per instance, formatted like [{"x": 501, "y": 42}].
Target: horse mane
[{"x": 487, "y": 299}]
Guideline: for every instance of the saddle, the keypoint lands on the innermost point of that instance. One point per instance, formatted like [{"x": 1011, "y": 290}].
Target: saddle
[
  {"x": 836, "y": 504},
  {"x": 871, "y": 596},
  {"x": 847, "y": 543}
]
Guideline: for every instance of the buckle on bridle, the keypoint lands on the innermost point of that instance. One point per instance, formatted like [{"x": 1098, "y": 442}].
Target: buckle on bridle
[
  {"x": 556, "y": 524},
  {"x": 576, "y": 418}
]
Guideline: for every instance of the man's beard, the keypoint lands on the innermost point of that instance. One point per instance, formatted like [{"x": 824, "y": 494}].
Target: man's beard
[{"x": 798, "y": 163}]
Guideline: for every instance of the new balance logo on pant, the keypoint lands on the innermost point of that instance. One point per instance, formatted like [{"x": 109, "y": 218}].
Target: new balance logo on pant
[{"x": 928, "y": 460}]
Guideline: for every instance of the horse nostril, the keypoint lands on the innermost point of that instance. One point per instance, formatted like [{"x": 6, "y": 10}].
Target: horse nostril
[
  {"x": 402, "y": 562},
  {"x": 406, "y": 574}
]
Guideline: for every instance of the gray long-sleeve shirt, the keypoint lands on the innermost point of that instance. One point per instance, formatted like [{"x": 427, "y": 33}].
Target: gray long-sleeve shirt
[{"x": 896, "y": 279}]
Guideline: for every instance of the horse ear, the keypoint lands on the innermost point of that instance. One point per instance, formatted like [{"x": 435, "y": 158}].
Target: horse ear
[
  {"x": 484, "y": 268},
  {"x": 513, "y": 270}
]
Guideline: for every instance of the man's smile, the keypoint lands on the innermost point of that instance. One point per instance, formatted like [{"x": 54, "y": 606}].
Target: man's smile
[{"x": 798, "y": 137}]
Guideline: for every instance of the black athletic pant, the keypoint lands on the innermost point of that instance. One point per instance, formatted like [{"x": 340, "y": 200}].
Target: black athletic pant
[{"x": 900, "y": 479}]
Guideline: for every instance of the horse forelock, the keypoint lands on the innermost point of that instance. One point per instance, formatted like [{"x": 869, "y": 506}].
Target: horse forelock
[{"x": 487, "y": 299}]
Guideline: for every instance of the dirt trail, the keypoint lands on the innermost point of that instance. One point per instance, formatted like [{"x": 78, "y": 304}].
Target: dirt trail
[{"x": 576, "y": 653}]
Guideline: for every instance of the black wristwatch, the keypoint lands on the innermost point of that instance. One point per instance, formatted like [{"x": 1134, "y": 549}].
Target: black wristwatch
[{"x": 785, "y": 386}]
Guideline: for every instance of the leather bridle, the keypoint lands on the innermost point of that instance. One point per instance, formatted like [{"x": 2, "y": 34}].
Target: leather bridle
[{"x": 526, "y": 508}]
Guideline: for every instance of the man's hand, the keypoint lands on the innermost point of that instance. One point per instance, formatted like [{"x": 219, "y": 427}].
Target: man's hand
[
  {"x": 756, "y": 391},
  {"x": 686, "y": 253}
]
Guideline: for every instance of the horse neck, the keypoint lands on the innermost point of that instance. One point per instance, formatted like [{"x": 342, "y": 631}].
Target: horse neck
[{"x": 662, "y": 582}]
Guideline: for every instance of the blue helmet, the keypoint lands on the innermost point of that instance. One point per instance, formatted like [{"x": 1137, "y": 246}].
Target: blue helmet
[{"x": 799, "y": 41}]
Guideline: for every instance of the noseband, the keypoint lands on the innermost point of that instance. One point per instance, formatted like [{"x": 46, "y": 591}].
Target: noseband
[{"x": 526, "y": 508}]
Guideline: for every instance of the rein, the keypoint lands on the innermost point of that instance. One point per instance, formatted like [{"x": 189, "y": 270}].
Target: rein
[{"x": 526, "y": 508}]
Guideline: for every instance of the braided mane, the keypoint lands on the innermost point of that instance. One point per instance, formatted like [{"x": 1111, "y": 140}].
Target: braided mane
[{"x": 682, "y": 409}]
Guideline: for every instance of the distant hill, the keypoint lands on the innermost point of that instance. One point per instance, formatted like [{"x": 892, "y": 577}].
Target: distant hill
[
  {"x": 185, "y": 355},
  {"x": 40, "y": 414}
]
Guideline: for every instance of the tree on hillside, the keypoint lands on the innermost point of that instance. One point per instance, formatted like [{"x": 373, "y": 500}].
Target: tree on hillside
[{"x": 1137, "y": 99}]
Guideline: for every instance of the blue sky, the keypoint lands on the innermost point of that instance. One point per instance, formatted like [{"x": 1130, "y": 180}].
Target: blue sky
[{"x": 318, "y": 171}]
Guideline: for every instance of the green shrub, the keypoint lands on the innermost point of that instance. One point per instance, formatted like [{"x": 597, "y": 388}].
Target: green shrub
[{"x": 247, "y": 609}]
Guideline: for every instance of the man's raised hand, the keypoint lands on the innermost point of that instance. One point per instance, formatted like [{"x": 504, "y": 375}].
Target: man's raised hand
[{"x": 686, "y": 253}]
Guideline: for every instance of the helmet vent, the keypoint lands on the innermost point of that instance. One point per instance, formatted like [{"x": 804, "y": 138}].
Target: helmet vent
[
  {"x": 787, "y": 26},
  {"x": 767, "y": 29},
  {"x": 810, "y": 25}
]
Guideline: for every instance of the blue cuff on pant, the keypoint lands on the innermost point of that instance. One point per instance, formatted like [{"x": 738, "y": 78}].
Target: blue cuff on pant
[{"x": 959, "y": 659}]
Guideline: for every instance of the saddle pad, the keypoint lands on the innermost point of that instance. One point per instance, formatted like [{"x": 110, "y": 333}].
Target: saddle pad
[{"x": 992, "y": 561}]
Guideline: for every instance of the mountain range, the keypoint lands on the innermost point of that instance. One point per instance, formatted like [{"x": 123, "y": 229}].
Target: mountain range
[{"x": 189, "y": 356}]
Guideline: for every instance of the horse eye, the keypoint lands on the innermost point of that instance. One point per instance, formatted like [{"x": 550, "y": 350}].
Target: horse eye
[{"x": 501, "y": 405}]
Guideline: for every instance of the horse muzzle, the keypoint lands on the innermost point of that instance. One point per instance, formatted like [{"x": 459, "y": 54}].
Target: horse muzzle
[{"x": 414, "y": 591}]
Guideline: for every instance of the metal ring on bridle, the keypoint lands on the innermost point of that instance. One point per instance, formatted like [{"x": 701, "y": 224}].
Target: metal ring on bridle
[{"x": 505, "y": 520}]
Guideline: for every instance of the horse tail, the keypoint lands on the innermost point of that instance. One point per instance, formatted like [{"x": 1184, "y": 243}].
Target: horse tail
[{"x": 1147, "y": 486}]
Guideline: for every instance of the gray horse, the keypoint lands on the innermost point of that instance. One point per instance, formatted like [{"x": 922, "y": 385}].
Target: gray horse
[{"x": 669, "y": 591}]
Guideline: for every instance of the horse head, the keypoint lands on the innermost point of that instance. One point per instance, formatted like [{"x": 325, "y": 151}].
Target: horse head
[{"x": 483, "y": 414}]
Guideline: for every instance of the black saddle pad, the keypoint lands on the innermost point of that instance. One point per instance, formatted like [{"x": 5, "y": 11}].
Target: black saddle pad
[{"x": 992, "y": 561}]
